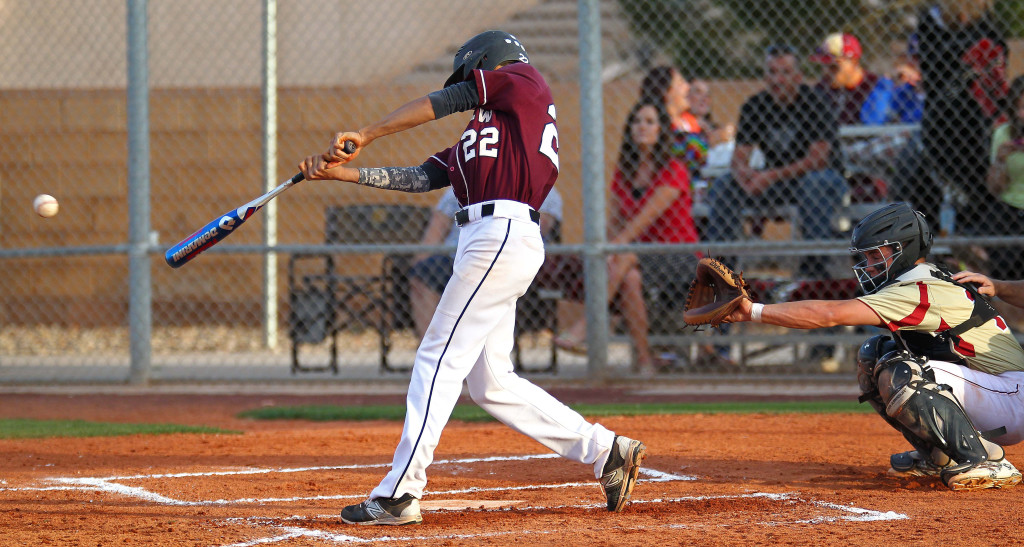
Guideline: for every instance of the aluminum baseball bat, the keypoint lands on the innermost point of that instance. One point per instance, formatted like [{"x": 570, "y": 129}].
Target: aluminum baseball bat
[{"x": 224, "y": 225}]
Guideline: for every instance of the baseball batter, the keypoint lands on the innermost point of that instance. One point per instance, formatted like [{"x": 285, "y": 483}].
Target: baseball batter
[
  {"x": 501, "y": 169},
  {"x": 949, "y": 374}
]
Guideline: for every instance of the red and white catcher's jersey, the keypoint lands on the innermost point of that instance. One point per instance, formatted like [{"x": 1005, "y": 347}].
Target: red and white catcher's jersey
[
  {"x": 920, "y": 302},
  {"x": 509, "y": 149}
]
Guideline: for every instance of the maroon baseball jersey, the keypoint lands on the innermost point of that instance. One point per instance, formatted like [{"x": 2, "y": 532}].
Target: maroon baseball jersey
[{"x": 509, "y": 150}]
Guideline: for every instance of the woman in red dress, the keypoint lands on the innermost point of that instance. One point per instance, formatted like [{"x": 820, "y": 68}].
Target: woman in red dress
[{"x": 650, "y": 203}]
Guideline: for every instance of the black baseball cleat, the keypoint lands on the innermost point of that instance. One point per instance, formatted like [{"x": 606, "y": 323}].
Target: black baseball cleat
[
  {"x": 621, "y": 470},
  {"x": 386, "y": 511},
  {"x": 913, "y": 464}
]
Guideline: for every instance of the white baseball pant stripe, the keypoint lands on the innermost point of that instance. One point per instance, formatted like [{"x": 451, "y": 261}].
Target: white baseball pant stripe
[
  {"x": 470, "y": 339},
  {"x": 991, "y": 401}
]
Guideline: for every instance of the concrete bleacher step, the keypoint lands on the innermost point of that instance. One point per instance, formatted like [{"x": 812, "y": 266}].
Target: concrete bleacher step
[
  {"x": 550, "y": 9},
  {"x": 551, "y": 31}
]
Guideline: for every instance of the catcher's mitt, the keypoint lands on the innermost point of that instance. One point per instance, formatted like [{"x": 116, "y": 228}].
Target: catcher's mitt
[{"x": 715, "y": 292}]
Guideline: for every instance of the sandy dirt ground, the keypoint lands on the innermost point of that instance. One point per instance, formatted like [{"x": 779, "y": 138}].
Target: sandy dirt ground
[{"x": 710, "y": 479}]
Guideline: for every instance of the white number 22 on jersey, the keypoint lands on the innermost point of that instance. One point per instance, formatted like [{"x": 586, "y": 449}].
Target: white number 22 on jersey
[{"x": 488, "y": 140}]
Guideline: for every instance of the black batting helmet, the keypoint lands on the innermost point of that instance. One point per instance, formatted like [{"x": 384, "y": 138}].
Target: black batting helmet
[
  {"x": 486, "y": 50},
  {"x": 896, "y": 225}
]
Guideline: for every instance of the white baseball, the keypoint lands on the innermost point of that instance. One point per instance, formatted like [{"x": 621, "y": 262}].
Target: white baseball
[{"x": 45, "y": 205}]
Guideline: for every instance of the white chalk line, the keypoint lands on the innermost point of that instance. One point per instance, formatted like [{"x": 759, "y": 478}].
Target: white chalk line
[
  {"x": 109, "y": 484},
  {"x": 261, "y": 470},
  {"x": 94, "y": 485},
  {"x": 291, "y": 532},
  {"x": 858, "y": 514}
]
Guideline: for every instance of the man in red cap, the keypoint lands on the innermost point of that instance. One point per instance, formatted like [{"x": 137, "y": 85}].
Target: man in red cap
[{"x": 845, "y": 81}]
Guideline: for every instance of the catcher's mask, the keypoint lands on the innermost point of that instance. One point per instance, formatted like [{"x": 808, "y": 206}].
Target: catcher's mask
[
  {"x": 901, "y": 229},
  {"x": 486, "y": 51}
]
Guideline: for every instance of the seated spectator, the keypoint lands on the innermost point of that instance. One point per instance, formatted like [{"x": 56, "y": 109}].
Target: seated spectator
[
  {"x": 845, "y": 81},
  {"x": 699, "y": 100},
  {"x": 963, "y": 52},
  {"x": 650, "y": 203},
  {"x": 665, "y": 84},
  {"x": 429, "y": 275},
  {"x": 908, "y": 96},
  {"x": 794, "y": 128},
  {"x": 909, "y": 177},
  {"x": 1006, "y": 182},
  {"x": 719, "y": 140},
  {"x": 898, "y": 98},
  {"x": 908, "y": 99},
  {"x": 701, "y": 105}
]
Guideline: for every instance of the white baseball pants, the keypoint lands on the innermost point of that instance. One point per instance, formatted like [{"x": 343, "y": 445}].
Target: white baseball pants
[
  {"x": 470, "y": 338},
  {"x": 991, "y": 401}
]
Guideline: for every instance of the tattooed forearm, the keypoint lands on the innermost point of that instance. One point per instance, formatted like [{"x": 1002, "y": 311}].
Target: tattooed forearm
[{"x": 403, "y": 179}]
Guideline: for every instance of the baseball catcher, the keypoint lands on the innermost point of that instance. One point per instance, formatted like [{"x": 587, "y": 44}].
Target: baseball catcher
[{"x": 948, "y": 372}]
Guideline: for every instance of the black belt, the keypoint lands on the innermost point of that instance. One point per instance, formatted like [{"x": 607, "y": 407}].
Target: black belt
[{"x": 486, "y": 210}]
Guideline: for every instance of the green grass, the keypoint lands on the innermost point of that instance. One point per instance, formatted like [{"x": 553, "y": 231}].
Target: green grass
[
  {"x": 37, "y": 429},
  {"x": 472, "y": 413}
]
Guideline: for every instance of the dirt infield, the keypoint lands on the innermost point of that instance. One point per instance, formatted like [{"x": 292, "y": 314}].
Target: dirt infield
[{"x": 709, "y": 480}]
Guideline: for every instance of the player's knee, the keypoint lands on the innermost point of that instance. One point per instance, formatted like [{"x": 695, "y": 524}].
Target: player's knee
[
  {"x": 477, "y": 393},
  {"x": 483, "y": 393},
  {"x": 895, "y": 374},
  {"x": 633, "y": 278},
  {"x": 825, "y": 182},
  {"x": 867, "y": 358},
  {"x": 725, "y": 187}
]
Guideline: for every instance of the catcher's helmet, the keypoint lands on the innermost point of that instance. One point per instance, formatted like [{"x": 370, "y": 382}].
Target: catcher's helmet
[
  {"x": 486, "y": 50},
  {"x": 896, "y": 225}
]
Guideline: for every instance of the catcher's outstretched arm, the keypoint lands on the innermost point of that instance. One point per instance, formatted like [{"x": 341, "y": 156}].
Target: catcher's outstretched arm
[
  {"x": 812, "y": 314},
  {"x": 720, "y": 295}
]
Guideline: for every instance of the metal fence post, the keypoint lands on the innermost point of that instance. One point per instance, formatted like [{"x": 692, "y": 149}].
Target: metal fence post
[
  {"x": 140, "y": 312},
  {"x": 592, "y": 123},
  {"x": 270, "y": 170}
]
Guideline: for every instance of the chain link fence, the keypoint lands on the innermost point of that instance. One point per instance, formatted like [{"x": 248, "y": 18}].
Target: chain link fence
[{"x": 336, "y": 280}]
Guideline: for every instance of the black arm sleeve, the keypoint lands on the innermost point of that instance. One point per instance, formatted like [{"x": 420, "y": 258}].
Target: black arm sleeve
[
  {"x": 438, "y": 177},
  {"x": 422, "y": 178},
  {"x": 460, "y": 97}
]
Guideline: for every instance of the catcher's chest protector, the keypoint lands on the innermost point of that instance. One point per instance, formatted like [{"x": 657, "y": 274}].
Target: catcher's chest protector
[{"x": 939, "y": 347}]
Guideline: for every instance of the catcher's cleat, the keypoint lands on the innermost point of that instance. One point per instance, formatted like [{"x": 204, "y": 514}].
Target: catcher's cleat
[
  {"x": 387, "y": 511},
  {"x": 621, "y": 470},
  {"x": 912, "y": 464},
  {"x": 989, "y": 474}
]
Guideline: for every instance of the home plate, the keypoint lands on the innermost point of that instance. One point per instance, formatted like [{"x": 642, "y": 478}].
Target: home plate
[{"x": 457, "y": 505}]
